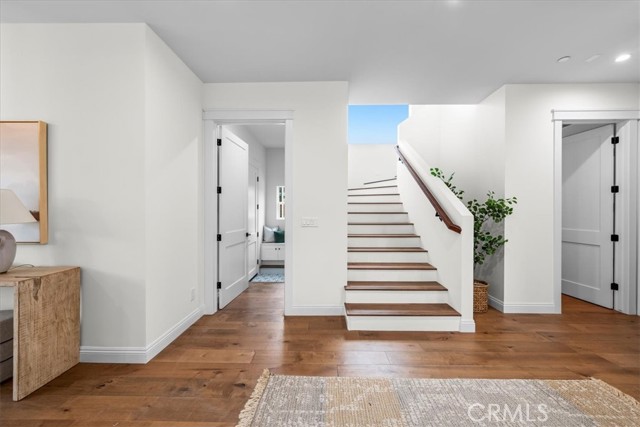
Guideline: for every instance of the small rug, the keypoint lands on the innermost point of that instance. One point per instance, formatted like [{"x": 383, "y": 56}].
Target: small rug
[
  {"x": 268, "y": 278},
  {"x": 288, "y": 401}
]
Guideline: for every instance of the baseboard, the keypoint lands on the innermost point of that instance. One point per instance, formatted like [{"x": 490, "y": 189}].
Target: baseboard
[
  {"x": 496, "y": 303},
  {"x": 139, "y": 355},
  {"x": 530, "y": 309},
  {"x": 467, "y": 326},
  {"x": 314, "y": 310}
]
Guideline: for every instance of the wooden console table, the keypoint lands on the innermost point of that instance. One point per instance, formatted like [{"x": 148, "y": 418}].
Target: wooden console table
[{"x": 46, "y": 324}]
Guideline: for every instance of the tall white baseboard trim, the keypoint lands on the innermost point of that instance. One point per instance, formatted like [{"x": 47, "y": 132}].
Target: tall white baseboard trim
[
  {"x": 90, "y": 354},
  {"x": 531, "y": 308},
  {"x": 467, "y": 326},
  {"x": 496, "y": 303},
  {"x": 314, "y": 310}
]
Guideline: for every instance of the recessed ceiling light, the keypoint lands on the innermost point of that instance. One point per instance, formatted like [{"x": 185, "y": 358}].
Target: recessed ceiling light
[
  {"x": 623, "y": 57},
  {"x": 564, "y": 59},
  {"x": 593, "y": 58}
]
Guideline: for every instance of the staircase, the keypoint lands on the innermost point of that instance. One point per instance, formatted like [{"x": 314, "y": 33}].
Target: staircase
[{"x": 391, "y": 284}]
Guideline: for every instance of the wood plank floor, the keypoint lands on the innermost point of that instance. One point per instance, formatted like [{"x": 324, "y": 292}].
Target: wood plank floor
[{"x": 207, "y": 374}]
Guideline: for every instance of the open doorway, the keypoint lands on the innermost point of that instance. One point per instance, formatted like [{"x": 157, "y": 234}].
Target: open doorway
[
  {"x": 258, "y": 131},
  {"x": 596, "y": 209}
]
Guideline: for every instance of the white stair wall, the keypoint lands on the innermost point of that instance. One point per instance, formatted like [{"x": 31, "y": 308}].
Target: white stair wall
[{"x": 403, "y": 323}]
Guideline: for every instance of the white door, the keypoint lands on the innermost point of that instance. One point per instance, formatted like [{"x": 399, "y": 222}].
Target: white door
[
  {"x": 587, "y": 216},
  {"x": 233, "y": 172},
  {"x": 252, "y": 224}
]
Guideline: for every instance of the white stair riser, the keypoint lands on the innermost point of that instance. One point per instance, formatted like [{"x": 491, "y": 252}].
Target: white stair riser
[
  {"x": 403, "y": 323},
  {"x": 374, "y": 199},
  {"x": 392, "y": 275},
  {"x": 369, "y": 207},
  {"x": 398, "y": 297},
  {"x": 373, "y": 190},
  {"x": 384, "y": 242},
  {"x": 381, "y": 229},
  {"x": 388, "y": 257},
  {"x": 373, "y": 217}
]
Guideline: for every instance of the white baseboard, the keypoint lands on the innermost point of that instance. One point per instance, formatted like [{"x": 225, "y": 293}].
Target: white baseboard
[
  {"x": 300, "y": 310},
  {"x": 496, "y": 303},
  {"x": 142, "y": 355},
  {"x": 467, "y": 326},
  {"x": 523, "y": 308}
]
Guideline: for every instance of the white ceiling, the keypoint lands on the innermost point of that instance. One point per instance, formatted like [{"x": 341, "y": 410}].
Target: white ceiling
[{"x": 415, "y": 52}]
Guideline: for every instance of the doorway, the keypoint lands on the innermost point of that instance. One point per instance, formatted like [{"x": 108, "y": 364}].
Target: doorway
[
  {"x": 235, "y": 119},
  {"x": 595, "y": 213}
]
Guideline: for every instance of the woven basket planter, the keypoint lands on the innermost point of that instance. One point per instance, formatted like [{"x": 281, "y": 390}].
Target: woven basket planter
[{"x": 480, "y": 296}]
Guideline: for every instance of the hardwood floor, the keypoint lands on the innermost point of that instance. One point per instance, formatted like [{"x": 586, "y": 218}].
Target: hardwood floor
[{"x": 207, "y": 374}]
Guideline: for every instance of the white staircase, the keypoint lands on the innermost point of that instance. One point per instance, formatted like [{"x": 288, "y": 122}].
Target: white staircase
[{"x": 391, "y": 284}]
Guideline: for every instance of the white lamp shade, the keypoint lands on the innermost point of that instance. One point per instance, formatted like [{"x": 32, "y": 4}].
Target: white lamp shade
[{"x": 12, "y": 211}]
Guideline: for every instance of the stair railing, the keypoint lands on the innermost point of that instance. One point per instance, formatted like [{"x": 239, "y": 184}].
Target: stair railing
[{"x": 440, "y": 212}]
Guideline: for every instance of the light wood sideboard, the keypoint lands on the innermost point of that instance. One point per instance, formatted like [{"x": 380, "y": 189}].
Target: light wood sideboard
[{"x": 46, "y": 324}]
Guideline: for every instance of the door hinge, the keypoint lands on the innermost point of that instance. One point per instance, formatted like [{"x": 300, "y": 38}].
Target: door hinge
[
  {"x": 258, "y": 234},
  {"x": 614, "y": 286},
  {"x": 257, "y": 261},
  {"x": 257, "y": 207},
  {"x": 219, "y": 285},
  {"x": 219, "y": 190},
  {"x": 615, "y": 237},
  {"x": 615, "y": 139},
  {"x": 219, "y": 142},
  {"x": 257, "y": 179},
  {"x": 615, "y": 188},
  {"x": 219, "y": 237}
]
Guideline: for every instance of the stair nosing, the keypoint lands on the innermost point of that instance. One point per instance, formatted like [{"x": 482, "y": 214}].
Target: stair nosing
[
  {"x": 371, "y": 188},
  {"x": 398, "y": 312},
  {"x": 386, "y": 286},
  {"x": 383, "y": 235},
  {"x": 405, "y": 266}
]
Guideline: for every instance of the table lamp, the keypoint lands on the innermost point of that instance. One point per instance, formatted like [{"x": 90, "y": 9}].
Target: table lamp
[{"x": 12, "y": 211}]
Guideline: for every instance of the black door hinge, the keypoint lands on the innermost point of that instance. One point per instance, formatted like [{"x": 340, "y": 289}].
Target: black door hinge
[
  {"x": 219, "y": 142},
  {"x": 219, "y": 285},
  {"x": 257, "y": 206},
  {"x": 219, "y": 237},
  {"x": 258, "y": 234},
  {"x": 257, "y": 261},
  {"x": 615, "y": 189},
  {"x": 257, "y": 179},
  {"x": 219, "y": 190},
  {"x": 614, "y": 286},
  {"x": 615, "y": 139},
  {"x": 615, "y": 238}
]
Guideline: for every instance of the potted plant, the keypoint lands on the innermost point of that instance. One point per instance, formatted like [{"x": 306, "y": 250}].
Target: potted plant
[{"x": 485, "y": 240}]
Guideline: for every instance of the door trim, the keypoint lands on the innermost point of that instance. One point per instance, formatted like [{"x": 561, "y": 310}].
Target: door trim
[
  {"x": 630, "y": 270},
  {"x": 212, "y": 119}
]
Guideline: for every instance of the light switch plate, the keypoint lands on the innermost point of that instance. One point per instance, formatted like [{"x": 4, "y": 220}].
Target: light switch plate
[{"x": 309, "y": 221}]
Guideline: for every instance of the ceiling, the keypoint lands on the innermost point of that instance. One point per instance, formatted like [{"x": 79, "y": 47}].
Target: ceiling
[{"x": 390, "y": 52}]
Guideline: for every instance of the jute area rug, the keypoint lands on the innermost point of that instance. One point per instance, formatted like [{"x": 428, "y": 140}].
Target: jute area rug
[{"x": 287, "y": 401}]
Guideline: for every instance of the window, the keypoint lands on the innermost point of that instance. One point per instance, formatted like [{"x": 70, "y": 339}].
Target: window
[{"x": 280, "y": 202}]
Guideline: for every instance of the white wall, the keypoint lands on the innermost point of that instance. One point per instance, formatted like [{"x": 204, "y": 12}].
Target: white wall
[
  {"x": 319, "y": 176},
  {"x": 371, "y": 162},
  {"x": 87, "y": 83},
  {"x": 275, "y": 177},
  {"x": 529, "y": 163},
  {"x": 125, "y": 124},
  {"x": 173, "y": 168}
]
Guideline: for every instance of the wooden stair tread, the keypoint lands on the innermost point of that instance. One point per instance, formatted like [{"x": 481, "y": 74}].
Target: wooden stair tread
[
  {"x": 383, "y": 235},
  {"x": 355, "y": 309},
  {"x": 389, "y": 249},
  {"x": 371, "y": 188},
  {"x": 390, "y": 266},
  {"x": 394, "y": 286}
]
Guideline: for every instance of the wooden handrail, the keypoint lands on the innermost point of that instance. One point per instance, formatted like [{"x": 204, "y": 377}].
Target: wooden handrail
[{"x": 440, "y": 212}]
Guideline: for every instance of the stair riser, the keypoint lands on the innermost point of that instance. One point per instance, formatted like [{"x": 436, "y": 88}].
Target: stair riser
[
  {"x": 372, "y": 207},
  {"x": 381, "y": 229},
  {"x": 392, "y": 275},
  {"x": 384, "y": 242},
  {"x": 388, "y": 257},
  {"x": 367, "y": 217},
  {"x": 374, "y": 199},
  {"x": 403, "y": 323},
  {"x": 397, "y": 297},
  {"x": 373, "y": 191}
]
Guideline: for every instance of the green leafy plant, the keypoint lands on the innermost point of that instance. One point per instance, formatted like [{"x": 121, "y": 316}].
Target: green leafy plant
[{"x": 485, "y": 241}]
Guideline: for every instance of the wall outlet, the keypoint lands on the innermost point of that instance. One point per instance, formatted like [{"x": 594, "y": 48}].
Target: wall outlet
[
  {"x": 309, "y": 221},
  {"x": 193, "y": 294}
]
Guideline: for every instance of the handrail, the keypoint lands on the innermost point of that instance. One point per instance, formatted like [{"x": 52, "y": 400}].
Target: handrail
[{"x": 440, "y": 212}]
